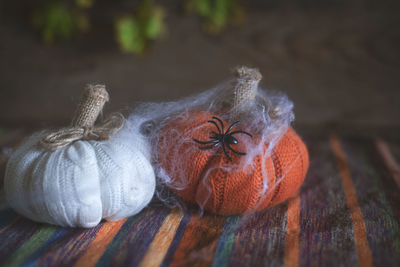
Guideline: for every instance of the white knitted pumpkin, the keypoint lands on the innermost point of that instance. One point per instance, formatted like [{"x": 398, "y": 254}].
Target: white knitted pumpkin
[{"x": 79, "y": 184}]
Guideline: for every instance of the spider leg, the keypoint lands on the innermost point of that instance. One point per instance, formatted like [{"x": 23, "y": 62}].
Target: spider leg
[
  {"x": 232, "y": 125},
  {"x": 213, "y": 122},
  {"x": 234, "y": 151},
  {"x": 222, "y": 124},
  {"x": 226, "y": 153},
  {"x": 205, "y": 142},
  {"x": 243, "y": 132},
  {"x": 208, "y": 147}
]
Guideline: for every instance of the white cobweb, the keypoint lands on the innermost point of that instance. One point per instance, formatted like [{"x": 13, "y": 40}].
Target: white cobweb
[{"x": 267, "y": 117}]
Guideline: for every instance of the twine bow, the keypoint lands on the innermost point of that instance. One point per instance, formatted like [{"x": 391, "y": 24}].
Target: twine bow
[
  {"x": 66, "y": 136},
  {"x": 83, "y": 128}
]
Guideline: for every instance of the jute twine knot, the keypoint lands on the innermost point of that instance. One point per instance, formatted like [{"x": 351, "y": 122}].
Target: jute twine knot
[
  {"x": 245, "y": 90},
  {"x": 82, "y": 127}
]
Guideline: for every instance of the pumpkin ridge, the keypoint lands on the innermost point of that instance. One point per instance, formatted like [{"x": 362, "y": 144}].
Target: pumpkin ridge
[
  {"x": 215, "y": 198},
  {"x": 101, "y": 154},
  {"x": 296, "y": 173},
  {"x": 257, "y": 199},
  {"x": 198, "y": 156},
  {"x": 28, "y": 183},
  {"x": 304, "y": 155},
  {"x": 277, "y": 176},
  {"x": 198, "y": 192},
  {"x": 219, "y": 194},
  {"x": 62, "y": 184},
  {"x": 301, "y": 155}
]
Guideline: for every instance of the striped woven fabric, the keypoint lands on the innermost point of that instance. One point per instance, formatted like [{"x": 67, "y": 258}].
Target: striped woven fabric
[{"x": 347, "y": 213}]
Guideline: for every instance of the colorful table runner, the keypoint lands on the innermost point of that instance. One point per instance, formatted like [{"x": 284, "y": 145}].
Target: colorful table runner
[{"x": 347, "y": 213}]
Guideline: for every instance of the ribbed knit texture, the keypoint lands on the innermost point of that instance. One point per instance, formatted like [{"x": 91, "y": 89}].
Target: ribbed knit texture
[
  {"x": 206, "y": 182},
  {"x": 81, "y": 183}
]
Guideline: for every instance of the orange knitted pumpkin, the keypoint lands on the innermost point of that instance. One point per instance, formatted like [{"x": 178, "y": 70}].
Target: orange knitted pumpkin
[
  {"x": 227, "y": 191},
  {"x": 224, "y": 182}
]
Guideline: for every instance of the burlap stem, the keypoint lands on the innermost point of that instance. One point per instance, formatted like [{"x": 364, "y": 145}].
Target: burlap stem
[
  {"x": 245, "y": 91},
  {"x": 93, "y": 99},
  {"x": 83, "y": 123}
]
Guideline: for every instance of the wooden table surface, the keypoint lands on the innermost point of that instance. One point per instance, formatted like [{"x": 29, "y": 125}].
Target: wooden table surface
[{"x": 339, "y": 61}]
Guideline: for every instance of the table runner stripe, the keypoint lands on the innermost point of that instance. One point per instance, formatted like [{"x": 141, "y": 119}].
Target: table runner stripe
[
  {"x": 326, "y": 229},
  {"x": 99, "y": 244},
  {"x": 131, "y": 250},
  {"x": 33, "y": 259},
  {"x": 198, "y": 244},
  {"x": 36, "y": 241},
  {"x": 388, "y": 183},
  {"x": 112, "y": 248},
  {"x": 226, "y": 241},
  {"x": 360, "y": 235},
  {"x": 159, "y": 247},
  {"x": 177, "y": 239},
  {"x": 260, "y": 238},
  {"x": 376, "y": 210},
  {"x": 15, "y": 236},
  {"x": 70, "y": 247},
  {"x": 292, "y": 233},
  {"x": 389, "y": 160}
]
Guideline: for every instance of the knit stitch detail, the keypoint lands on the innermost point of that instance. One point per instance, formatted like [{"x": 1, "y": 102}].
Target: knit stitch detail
[{"x": 233, "y": 191}]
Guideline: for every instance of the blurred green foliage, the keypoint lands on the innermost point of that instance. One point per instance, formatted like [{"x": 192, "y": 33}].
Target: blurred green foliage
[
  {"x": 84, "y": 3},
  {"x": 56, "y": 20},
  {"x": 217, "y": 14},
  {"x": 135, "y": 30}
]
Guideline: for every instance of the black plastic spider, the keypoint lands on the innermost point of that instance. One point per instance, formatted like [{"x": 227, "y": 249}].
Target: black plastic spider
[{"x": 225, "y": 139}]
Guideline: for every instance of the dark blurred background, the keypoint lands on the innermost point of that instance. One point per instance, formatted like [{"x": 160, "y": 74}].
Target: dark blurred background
[{"x": 339, "y": 61}]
